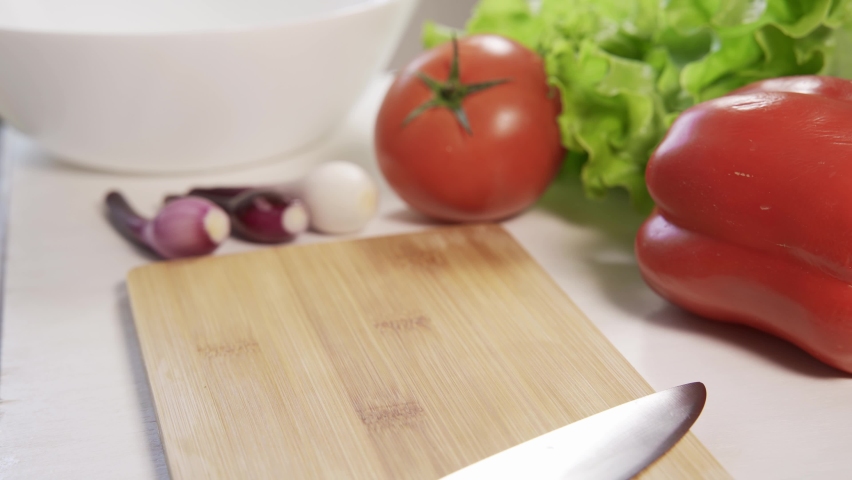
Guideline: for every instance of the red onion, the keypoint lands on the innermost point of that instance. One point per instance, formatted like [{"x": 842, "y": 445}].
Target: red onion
[
  {"x": 261, "y": 216},
  {"x": 340, "y": 196},
  {"x": 185, "y": 227}
]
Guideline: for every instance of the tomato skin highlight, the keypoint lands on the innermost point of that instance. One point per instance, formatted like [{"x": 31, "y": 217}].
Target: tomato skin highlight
[{"x": 507, "y": 162}]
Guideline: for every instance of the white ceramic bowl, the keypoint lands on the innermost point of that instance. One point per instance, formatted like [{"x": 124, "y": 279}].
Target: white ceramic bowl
[{"x": 159, "y": 86}]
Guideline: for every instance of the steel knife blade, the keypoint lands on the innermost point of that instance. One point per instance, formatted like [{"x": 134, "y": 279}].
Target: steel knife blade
[{"x": 614, "y": 444}]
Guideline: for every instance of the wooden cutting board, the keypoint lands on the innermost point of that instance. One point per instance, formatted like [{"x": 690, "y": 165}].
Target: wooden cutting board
[{"x": 407, "y": 356}]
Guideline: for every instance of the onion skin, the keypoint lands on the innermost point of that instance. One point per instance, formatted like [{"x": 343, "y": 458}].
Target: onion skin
[{"x": 185, "y": 227}]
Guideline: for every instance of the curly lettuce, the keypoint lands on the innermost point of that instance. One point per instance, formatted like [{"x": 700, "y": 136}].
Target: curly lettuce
[{"x": 626, "y": 69}]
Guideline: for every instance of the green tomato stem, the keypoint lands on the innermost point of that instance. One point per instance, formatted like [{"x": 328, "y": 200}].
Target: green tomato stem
[{"x": 451, "y": 93}]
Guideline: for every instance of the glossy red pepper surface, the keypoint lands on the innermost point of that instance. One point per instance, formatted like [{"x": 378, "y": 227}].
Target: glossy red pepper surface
[{"x": 754, "y": 212}]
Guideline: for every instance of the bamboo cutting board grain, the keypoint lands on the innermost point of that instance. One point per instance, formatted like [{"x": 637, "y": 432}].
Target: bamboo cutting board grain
[{"x": 407, "y": 356}]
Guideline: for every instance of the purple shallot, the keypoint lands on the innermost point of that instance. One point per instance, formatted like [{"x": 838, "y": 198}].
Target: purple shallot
[{"x": 186, "y": 227}]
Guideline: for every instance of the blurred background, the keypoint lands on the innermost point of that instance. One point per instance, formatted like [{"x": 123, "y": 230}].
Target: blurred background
[
  {"x": 72, "y": 94},
  {"x": 453, "y": 13}
]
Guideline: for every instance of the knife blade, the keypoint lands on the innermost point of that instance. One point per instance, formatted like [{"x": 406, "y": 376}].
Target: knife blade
[{"x": 614, "y": 444}]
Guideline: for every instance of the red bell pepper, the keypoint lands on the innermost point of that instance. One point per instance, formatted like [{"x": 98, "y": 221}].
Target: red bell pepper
[{"x": 753, "y": 222}]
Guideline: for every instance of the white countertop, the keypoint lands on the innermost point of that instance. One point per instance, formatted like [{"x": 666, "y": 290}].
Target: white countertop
[{"x": 74, "y": 400}]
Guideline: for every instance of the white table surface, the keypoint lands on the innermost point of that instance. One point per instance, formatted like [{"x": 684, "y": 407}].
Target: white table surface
[{"x": 74, "y": 400}]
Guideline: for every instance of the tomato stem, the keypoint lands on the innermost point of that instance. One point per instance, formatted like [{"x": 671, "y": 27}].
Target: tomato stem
[{"x": 451, "y": 93}]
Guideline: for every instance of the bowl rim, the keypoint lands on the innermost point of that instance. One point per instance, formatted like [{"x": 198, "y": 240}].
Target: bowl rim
[{"x": 356, "y": 9}]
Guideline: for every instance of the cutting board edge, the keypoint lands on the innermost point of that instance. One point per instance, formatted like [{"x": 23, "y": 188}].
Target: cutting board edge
[
  {"x": 134, "y": 272},
  {"x": 135, "y": 275}
]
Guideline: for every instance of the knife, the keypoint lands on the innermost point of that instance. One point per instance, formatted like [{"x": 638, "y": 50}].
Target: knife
[{"x": 615, "y": 444}]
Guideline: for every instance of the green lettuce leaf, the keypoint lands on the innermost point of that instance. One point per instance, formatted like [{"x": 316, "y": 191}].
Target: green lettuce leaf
[
  {"x": 513, "y": 18},
  {"x": 627, "y": 69}
]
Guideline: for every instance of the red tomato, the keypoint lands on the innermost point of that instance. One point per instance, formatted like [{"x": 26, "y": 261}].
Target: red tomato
[{"x": 508, "y": 157}]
